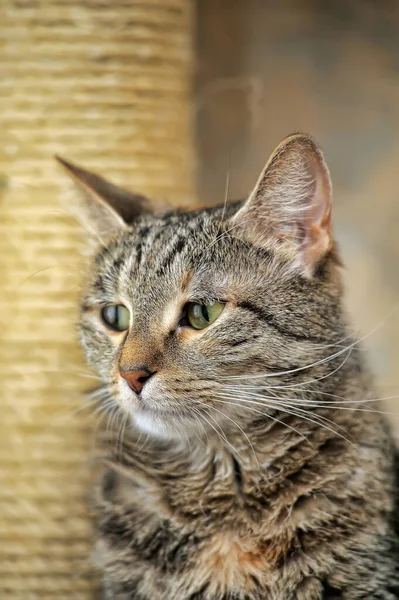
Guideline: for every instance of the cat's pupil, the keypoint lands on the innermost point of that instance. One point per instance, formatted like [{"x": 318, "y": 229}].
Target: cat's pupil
[
  {"x": 116, "y": 316},
  {"x": 200, "y": 316},
  {"x": 205, "y": 312},
  {"x": 200, "y": 311}
]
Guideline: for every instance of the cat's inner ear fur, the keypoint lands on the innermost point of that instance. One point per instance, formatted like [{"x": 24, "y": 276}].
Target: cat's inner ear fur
[
  {"x": 290, "y": 205},
  {"x": 102, "y": 206}
]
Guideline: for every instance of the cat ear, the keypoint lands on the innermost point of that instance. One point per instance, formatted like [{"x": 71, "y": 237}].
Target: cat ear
[
  {"x": 103, "y": 207},
  {"x": 291, "y": 203}
]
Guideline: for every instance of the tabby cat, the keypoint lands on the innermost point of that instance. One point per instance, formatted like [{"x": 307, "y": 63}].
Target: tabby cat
[{"x": 250, "y": 463}]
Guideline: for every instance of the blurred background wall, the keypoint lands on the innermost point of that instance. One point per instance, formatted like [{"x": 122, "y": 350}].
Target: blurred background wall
[{"x": 267, "y": 68}]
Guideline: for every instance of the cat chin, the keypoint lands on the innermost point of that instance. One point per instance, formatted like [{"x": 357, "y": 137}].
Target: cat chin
[
  {"x": 153, "y": 425},
  {"x": 149, "y": 420},
  {"x": 163, "y": 426}
]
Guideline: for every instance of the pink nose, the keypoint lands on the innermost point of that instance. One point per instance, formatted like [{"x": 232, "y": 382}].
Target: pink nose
[{"x": 136, "y": 379}]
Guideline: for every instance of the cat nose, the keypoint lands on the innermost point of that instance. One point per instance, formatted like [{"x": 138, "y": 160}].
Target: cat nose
[{"x": 136, "y": 379}]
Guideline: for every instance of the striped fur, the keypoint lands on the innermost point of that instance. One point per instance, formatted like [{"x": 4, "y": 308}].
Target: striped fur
[{"x": 254, "y": 465}]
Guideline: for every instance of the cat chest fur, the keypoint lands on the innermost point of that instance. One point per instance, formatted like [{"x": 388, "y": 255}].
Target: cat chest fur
[
  {"x": 208, "y": 530},
  {"x": 147, "y": 533}
]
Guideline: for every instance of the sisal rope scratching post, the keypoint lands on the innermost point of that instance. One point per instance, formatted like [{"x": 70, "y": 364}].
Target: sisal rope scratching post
[{"x": 105, "y": 84}]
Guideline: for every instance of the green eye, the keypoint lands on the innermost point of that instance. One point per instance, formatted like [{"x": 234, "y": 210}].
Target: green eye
[
  {"x": 201, "y": 315},
  {"x": 116, "y": 316}
]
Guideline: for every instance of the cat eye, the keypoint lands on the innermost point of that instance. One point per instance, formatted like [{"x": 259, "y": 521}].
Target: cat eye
[
  {"x": 200, "y": 316},
  {"x": 116, "y": 316}
]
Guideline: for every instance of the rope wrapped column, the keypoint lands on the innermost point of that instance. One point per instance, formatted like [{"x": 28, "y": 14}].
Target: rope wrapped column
[{"x": 106, "y": 84}]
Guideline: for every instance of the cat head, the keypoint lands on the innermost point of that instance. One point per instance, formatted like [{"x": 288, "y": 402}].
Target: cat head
[{"x": 191, "y": 318}]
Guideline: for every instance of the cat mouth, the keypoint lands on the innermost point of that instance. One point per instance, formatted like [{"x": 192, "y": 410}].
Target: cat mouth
[
  {"x": 159, "y": 421},
  {"x": 151, "y": 405},
  {"x": 143, "y": 403},
  {"x": 156, "y": 409}
]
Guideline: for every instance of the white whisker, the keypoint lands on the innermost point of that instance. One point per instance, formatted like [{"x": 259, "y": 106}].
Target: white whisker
[
  {"x": 316, "y": 378},
  {"x": 330, "y": 404},
  {"x": 274, "y": 419},
  {"x": 223, "y": 436},
  {"x": 240, "y": 428},
  {"x": 300, "y": 413}
]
